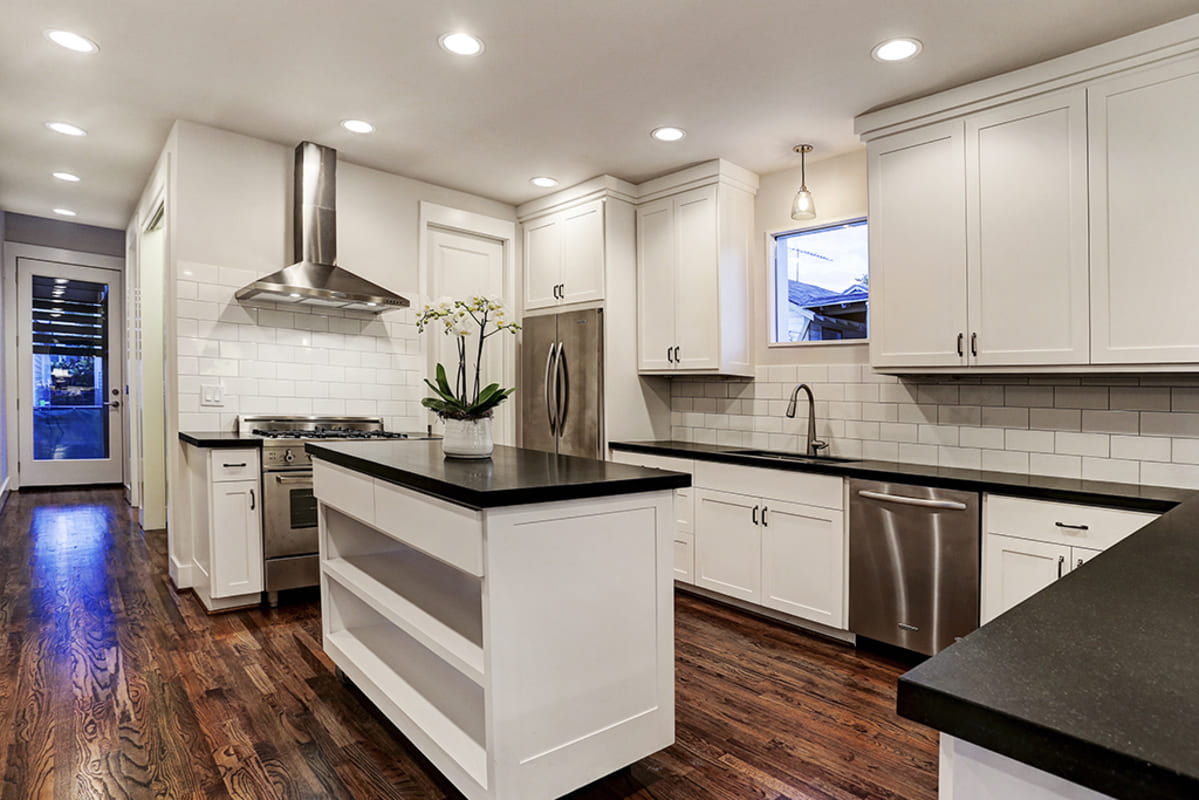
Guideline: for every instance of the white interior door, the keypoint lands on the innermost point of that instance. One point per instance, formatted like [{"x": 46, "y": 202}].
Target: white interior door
[
  {"x": 462, "y": 265},
  {"x": 69, "y": 373}
]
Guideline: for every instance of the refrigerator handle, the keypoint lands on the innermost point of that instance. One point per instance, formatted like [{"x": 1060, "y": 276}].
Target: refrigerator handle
[
  {"x": 550, "y": 403},
  {"x": 563, "y": 399}
]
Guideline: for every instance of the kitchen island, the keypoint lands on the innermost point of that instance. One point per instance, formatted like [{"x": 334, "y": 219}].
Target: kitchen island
[{"x": 512, "y": 616}]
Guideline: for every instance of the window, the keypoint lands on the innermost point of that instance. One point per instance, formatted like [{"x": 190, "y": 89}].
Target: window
[{"x": 821, "y": 284}]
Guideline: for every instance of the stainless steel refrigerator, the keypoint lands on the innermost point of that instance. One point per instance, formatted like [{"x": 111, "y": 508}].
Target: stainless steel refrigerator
[{"x": 562, "y": 383}]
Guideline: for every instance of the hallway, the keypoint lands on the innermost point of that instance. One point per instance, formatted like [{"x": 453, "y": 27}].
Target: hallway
[{"x": 113, "y": 686}]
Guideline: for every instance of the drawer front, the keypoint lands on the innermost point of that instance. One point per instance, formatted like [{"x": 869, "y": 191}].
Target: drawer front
[
  {"x": 447, "y": 532},
  {"x": 805, "y": 488},
  {"x": 350, "y": 492},
  {"x": 1062, "y": 523},
  {"x": 684, "y": 557},
  {"x": 234, "y": 465}
]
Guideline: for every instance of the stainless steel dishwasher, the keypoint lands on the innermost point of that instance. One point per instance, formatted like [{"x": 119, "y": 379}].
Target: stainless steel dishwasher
[{"x": 913, "y": 564}]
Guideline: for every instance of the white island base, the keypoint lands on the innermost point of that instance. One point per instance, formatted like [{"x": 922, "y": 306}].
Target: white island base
[
  {"x": 970, "y": 772},
  {"x": 525, "y": 650}
]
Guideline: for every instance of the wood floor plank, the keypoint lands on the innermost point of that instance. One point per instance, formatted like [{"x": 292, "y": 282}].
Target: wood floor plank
[{"x": 113, "y": 685}]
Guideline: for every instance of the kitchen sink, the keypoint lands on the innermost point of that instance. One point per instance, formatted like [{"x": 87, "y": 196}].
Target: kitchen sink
[{"x": 785, "y": 456}]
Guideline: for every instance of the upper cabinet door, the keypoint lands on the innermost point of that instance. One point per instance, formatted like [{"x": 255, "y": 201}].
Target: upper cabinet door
[
  {"x": 543, "y": 261},
  {"x": 1026, "y": 205},
  {"x": 697, "y": 280},
  {"x": 918, "y": 247},
  {"x": 655, "y": 285},
  {"x": 1144, "y": 180},
  {"x": 582, "y": 278}
]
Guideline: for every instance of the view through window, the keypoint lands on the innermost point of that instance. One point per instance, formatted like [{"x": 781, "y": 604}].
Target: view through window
[{"x": 821, "y": 284}]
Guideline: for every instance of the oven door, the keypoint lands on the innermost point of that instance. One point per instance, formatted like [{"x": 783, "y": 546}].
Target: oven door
[{"x": 289, "y": 514}]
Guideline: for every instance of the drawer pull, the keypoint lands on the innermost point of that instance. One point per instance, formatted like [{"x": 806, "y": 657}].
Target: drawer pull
[
  {"x": 1073, "y": 527},
  {"x": 227, "y": 466}
]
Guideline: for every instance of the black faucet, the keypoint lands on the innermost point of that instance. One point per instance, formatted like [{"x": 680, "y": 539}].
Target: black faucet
[{"x": 814, "y": 444}]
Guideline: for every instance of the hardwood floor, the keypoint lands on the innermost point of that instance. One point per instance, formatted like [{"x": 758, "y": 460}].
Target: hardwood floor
[{"x": 114, "y": 686}]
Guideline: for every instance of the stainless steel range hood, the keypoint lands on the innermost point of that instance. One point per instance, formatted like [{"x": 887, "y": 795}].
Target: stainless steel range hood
[{"x": 315, "y": 279}]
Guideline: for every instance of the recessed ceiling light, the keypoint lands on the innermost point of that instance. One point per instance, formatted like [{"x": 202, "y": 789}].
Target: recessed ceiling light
[
  {"x": 65, "y": 212},
  {"x": 461, "y": 44},
  {"x": 668, "y": 134},
  {"x": 73, "y": 41},
  {"x": 544, "y": 183},
  {"x": 66, "y": 129},
  {"x": 66, "y": 176},
  {"x": 897, "y": 49},
  {"x": 357, "y": 126}
]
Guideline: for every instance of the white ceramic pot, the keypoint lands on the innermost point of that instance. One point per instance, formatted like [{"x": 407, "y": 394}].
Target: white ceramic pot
[{"x": 468, "y": 438}]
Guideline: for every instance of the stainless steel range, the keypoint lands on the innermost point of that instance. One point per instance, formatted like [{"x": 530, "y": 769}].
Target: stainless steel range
[{"x": 289, "y": 533}]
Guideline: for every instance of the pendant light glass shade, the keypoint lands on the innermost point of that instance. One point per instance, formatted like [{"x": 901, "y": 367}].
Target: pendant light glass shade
[{"x": 803, "y": 207}]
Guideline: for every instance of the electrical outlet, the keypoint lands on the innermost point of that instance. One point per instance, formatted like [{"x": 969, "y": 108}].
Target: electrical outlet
[{"x": 211, "y": 394}]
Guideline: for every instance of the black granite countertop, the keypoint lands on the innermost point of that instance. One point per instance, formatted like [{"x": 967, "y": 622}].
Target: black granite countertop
[
  {"x": 1095, "y": 679},
  {"x": 1044, "y": 487},
  {"x": 512, "y": 476},
  {"x": 219, "y": 439}
]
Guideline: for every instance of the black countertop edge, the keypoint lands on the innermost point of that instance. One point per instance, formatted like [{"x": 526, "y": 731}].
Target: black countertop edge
[
  {"x": 1129, "y": 496},
  {"x": 1103, "y": 769},
  {"x": 528, "y": 476},
  {"x": 219, "y": 439}
]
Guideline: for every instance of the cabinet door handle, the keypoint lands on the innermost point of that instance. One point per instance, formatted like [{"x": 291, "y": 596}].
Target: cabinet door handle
[
  {"x": 228, "y": 466},
  {"x": 1073, "y": 527},
  {"x": 974, "y": 344},
  {"x": 1079, "y": 564},
  {"x": 755, "y": 515},
  {"x": 676, "y": 354},
  {"x": 1061, "y": 562},
  {"x": 669, "y": 357},
  {"x": 562, "y": 291},
  {"x": 765, "y": 524},
  {"x": 251, "y": 499},
  {"x": 961, "y": 340}
]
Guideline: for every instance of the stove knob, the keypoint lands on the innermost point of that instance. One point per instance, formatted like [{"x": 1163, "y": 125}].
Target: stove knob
[{"x": 288, "y": 457}]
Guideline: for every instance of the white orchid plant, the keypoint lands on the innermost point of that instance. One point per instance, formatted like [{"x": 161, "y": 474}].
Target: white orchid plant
[{"x": 460, "y": 318}]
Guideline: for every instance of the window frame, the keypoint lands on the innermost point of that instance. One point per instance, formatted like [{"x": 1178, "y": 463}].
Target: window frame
[{"x": 771, "y": 306}]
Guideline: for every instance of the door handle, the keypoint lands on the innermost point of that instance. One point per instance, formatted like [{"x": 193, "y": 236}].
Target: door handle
[
  {"x": 974, "y": 344},
  {"x": 251, "y": 499},
  {"x": 765, "y": 524},
  {"x": 676, "y": 354},
  {"x": 563, "y": 374},
  {"x": 550, "y": 403},
  {"x": 1079, "y": 564},
  {"x": 285, "y": 480},
  {"x": 755, "y": 515},
  {"x": 113, "y": 403},
  {"x": 1061, "y": 561},
  {"x": 949, "y": 505},
  {"x": 961, "y": 340},
  {"x": 555, "y": 291},
  {"x": 562, "y": 291},
  {"x": 669, "y": 356}
]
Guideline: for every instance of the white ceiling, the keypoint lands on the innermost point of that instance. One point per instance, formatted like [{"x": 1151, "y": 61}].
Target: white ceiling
[{"x": 565, "y": 88}]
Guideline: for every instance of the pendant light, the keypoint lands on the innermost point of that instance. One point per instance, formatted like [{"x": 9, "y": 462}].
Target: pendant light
[{"x": 803, "y": 207}]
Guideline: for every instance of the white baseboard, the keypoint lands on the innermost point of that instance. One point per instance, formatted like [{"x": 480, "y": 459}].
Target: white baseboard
[
  {"x": 770, "y": 613},
  {"x": 181, "y": 574}
]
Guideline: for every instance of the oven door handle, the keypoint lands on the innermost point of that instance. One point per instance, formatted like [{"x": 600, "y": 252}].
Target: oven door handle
[{"x": 285, "y": 479}]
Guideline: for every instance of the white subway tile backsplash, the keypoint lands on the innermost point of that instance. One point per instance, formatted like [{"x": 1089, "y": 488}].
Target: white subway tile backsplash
[
  {"x": 1005, "y": 461},
  {"x": 1028, "y": 396},
  {"x": 937, "y": 434},
  {"x": 1057, "y": 465},
  {"x": 1183, "y": 476},
  {"x": 1110, "y": 469},
  {"x": 1029, "y": 441},
  {"x": 1081, "y": 444},
  {"x": 1055, "y": 419},
  {"x": 1160, "y": 423},
  {"x": 1004, "y": 417},
  {"x": 1140, "y": 448},
  {"x": 984, "y": 438},
  {"x": 1111, "y": 422},
  {"x": 1080, "y": 397},
  {"x": 1139, "y": 398}
]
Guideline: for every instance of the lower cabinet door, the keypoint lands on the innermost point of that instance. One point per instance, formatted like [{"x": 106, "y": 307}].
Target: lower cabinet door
[
  {"x": 728, "y": 545},
  {"x": 236, "y": 539},
  {"x": 684, "y": 556},
  {"x": 1015, "y": 569},
  {"x": 1081, "y": 555},
  {"x": 803, "y": 561}
]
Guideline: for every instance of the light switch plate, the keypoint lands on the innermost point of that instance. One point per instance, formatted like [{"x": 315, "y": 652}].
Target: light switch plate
[{"x": 211, "y": 394}]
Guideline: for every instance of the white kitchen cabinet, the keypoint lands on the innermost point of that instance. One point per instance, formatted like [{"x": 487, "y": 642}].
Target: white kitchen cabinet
[
  {"x": 1144, "y": 169},
  {"x": 803, "y": 552},
  {"x": 225, "y": 501},
  {"x": 692, "y": 273},
  {"x": 684, "y": 507},
  {"x": 728, "y": 544},
  {"x": 564, "y": 256},
  {"x": 1029, "y": 544},
  {"x": 1026, "y": 232},
  {"x": 917, "y": 202},
  {"x": 978, "y": 239},
  {"x": 784, "y": 554}
]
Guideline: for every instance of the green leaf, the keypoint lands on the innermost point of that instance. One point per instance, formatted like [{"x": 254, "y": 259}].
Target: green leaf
[
  {"x": 449, "y": 398},
  {"x": 443, "y": 382}
]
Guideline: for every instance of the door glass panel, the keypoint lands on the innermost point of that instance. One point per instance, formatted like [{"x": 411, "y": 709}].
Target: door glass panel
[{"x": 70, "y": 375}]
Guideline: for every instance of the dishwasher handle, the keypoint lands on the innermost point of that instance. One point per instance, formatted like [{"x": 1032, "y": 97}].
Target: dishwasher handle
[{"x": 949, "y": 505}]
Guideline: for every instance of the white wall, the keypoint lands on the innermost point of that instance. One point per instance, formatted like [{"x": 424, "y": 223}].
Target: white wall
[
  {"x": 3, "y": 387},
  {"x": 228, "y": 222}
]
